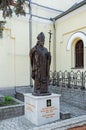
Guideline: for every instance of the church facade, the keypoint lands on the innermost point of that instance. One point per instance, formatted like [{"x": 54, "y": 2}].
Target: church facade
[
  {"x": 68, "y": 44},
  {"x": 71, "y": 39}
]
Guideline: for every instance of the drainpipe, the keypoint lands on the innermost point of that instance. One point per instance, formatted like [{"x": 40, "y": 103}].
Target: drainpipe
[
  {"x": 30, "y": 34},
  {"x": 54, "y": 45}
]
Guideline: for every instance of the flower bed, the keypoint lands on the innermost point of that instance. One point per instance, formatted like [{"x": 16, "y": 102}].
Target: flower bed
[{"x": 13, "y": 109}]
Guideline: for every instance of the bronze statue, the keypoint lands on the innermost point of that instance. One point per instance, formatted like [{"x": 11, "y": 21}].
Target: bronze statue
[{"x": 40, "y": 62}]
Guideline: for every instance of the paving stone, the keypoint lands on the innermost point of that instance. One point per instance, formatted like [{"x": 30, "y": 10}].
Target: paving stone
[{"x": 21, "y": 123}]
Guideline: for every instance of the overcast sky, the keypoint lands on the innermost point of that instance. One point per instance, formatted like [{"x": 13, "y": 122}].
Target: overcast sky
[{"x": 58, "y": 4}]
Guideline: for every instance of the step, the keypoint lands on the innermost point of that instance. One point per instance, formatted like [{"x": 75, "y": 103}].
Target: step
[{"x": 64, "y": 115}]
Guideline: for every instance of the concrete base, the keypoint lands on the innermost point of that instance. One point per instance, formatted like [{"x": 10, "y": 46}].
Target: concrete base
[{"x": 42, "y": 109}]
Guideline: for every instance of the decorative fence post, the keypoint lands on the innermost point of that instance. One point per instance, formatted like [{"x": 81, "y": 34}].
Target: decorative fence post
[
  {"x": 58, "y": 79},
  {"x": 54, "y": 78},
  {"x": 69, "y": 78},
  {"x": 83, "y": 85}
]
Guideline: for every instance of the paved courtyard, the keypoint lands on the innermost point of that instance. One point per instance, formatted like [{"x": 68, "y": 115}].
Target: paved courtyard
[
  {"x": 18, "y": 123},
  {"x": 21, "y": 123}
]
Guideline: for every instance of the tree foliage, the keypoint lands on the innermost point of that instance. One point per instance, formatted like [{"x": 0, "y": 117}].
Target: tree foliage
[{"x": 8, "y": 6}]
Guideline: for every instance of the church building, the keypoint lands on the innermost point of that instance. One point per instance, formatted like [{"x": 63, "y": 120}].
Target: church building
[
  {"x": 71, "y": 39},
  {"x": 19, "y": 34}
]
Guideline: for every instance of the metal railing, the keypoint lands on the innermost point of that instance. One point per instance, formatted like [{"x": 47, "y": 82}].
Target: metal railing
[
  {"x": 68, "y": 79},
  {"x": 71, "y": 86}
]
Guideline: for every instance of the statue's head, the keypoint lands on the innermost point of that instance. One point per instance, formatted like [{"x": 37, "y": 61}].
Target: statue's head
[{"x": 41, "y": 37}]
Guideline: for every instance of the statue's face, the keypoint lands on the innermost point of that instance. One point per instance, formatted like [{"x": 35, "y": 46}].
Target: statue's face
[{"x": 41, "y": 43}]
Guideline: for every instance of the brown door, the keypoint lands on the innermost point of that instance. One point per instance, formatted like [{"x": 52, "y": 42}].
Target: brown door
[{"x": 79, "y": 54}]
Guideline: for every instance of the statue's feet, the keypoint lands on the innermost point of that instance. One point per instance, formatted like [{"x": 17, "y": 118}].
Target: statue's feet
[{"x": 38, "y": 93}]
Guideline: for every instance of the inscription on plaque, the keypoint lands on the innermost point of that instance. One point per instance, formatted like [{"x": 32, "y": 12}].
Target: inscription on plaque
[
  {"x": 48, "y": 112},
  {"x": 30, "y": 107}
]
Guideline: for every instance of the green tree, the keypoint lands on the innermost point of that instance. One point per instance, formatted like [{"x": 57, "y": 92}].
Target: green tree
[{"x": 10, "y": 6}]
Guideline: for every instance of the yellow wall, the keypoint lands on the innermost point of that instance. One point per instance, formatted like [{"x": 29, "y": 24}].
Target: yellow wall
[
  {"x": 65, "y": 28},
  {"x": 15, "y": 48},
  {"x": 15, "y": 44}
]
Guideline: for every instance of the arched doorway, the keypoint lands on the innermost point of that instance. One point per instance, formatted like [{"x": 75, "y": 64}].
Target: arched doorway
[
  {"x": 77, "y": 35},
  {"x": 76, "y": 45}
]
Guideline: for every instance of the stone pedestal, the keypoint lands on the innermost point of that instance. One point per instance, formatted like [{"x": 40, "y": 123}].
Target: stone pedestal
[{"x": 42, "y": 109}]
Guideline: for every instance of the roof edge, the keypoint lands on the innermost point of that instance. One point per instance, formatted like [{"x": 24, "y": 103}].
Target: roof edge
[{"x": 71, "y": 9}]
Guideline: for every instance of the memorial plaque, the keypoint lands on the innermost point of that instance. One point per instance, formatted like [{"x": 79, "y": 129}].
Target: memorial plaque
[{"x": 48, "y": 102}]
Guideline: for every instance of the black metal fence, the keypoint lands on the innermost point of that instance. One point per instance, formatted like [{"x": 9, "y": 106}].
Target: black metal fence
[
  {"x": 71, "y": 86},
  {"x": 68, "y": 79}
]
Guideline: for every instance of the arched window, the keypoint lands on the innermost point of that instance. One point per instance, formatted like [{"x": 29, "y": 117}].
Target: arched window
[{"x": 79, "y": 54}]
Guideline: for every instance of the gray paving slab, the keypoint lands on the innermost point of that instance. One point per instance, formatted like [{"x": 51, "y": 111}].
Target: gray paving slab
[
  {"x": 21, "y": 123},
  {"x": 75, "y": 111},
  {"x": 18, "y": 123}
]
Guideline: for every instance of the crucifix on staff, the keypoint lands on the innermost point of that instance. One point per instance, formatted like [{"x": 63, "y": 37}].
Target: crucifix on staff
[{"x": 49, "y": 39}]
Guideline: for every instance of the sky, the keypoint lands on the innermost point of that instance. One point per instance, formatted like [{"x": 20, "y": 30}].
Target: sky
[{"x": 57, "y": 4}]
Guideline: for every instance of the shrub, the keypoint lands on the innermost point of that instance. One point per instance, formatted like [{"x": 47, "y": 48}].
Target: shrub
[{"x": 8, "y": 98}]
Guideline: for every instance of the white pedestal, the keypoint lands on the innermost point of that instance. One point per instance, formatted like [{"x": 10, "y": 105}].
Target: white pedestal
[{"x": 42, "y": 109}]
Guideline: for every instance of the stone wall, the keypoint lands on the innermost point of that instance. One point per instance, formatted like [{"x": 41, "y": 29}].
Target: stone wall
[
  {"x": 12, "y": 111},
  {"x": 76, "y": 97}
]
